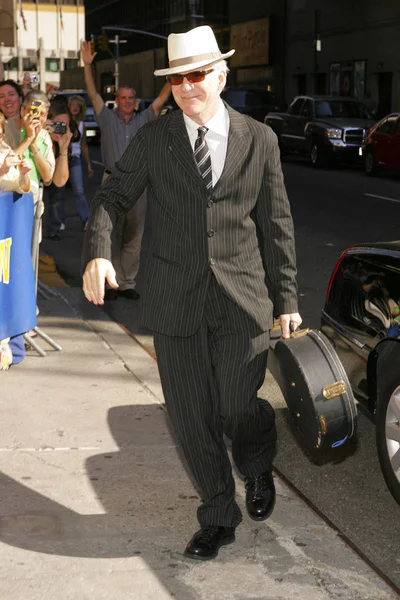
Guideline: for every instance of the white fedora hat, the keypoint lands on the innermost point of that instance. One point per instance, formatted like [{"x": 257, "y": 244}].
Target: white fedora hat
[{"x": 192, "y": 50}]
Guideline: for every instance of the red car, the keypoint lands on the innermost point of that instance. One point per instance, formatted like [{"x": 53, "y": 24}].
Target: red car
[{"x": 381, "y": 148}]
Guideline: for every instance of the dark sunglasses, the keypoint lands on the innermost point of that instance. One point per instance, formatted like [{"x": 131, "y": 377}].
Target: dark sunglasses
[{"x": 193, "y": 77}]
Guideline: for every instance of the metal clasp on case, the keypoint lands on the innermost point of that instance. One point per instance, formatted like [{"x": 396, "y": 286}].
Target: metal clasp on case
[
  {"x": 334, "y": 389},
  {"x": 299, "y": 333}
]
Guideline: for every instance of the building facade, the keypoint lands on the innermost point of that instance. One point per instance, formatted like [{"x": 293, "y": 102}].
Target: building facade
[
  {"x": 154, "y": 18},
  {"x": 290, "y": 47},
  {"x": 41, "y": 37},
  {"x": 142, "y": 30},
  {"x": 258, "y": 33},
  {"x": 325, "y": 47},
  {"x": 346, "y": 48}
]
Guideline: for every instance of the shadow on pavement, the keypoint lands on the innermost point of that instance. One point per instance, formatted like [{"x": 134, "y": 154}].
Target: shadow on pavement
[{"x": 142, "y": 488}]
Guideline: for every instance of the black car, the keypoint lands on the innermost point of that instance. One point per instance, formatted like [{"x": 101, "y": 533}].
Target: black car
[
  {"x": 322, "y": 127},
  {"x": 362, "y": 319},
  {"x": 253, "y": 102}
]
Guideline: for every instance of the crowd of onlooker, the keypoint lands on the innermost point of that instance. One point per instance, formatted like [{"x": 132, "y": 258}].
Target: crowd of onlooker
[
  {"x": 42, "y": 143},
  {"x": 43, "y": 146}
]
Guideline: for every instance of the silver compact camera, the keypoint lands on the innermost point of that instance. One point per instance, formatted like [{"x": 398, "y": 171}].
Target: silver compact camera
[{"x": 35, "y": 78}]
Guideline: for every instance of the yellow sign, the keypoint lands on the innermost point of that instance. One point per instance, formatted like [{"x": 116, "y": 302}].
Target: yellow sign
[
  {"x": 5, "y": 258},
  {"x": 251, "y": 42}
]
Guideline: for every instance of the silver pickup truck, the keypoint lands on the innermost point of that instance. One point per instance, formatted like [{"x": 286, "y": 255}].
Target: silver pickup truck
[{"x": 322, "y": 127}]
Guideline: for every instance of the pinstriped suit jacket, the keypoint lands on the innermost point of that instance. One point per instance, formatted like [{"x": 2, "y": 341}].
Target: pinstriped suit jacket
[{"x": 242, "y": 229}]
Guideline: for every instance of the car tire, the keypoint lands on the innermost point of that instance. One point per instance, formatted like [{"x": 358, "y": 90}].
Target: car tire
[
  {"x": 388, "y": 433},
  {"x": 370, "y": 166},
  {"x": 315, "y": 155}
]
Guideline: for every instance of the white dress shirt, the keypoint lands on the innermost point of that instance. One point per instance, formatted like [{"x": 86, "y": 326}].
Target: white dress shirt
[{"x": 216, "y": 138}]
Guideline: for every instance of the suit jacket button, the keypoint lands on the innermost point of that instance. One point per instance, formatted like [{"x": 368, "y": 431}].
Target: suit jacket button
[
  {"x": 212, "y": 261},
  {"x": 210, "y": 232},
  {"x": 210, "y": 203}
]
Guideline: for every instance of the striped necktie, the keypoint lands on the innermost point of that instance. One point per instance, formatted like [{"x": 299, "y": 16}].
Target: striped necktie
[{"x": 202, "y": 156}]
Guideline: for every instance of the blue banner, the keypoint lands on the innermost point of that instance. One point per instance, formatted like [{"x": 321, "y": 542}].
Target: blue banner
[{"x": 17, "y": 280}]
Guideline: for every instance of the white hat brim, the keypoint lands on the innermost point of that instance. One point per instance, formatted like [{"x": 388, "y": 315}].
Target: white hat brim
[{"x": 192, "y": 66}]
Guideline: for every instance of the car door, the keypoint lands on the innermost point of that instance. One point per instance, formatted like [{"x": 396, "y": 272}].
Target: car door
[
  {"x": 290, "y": 133},
  {"x": 381, "y": 141},
  {"x": 394, "y": 150},
  {"x": 306, "y": 115}
]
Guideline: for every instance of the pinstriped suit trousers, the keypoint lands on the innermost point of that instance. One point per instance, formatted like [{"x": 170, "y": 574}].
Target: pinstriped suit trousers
[{"x": 210, "y": 382}]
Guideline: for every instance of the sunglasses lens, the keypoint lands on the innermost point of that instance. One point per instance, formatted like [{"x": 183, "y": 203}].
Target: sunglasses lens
[
  {"x": 175, "y": 79},
  {"x": 193, "y": 77},
  {"x": 196, "y": 76}
]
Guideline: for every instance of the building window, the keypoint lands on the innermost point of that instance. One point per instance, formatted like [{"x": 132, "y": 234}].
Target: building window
[
  {"x": 53, "y": 65},
  {"x": 29, "y": 65},
  {"x": 359, "y": 79},
  {"x": 70, "y": 63},
  {"x": 12, "y": 65}
]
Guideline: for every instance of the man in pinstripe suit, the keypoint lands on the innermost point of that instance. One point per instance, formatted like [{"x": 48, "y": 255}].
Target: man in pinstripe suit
[{"x": 221, "y": 262}]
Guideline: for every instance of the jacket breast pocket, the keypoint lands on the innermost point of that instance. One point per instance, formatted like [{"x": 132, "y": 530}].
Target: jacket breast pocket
[{"x": 165, "y": 260}]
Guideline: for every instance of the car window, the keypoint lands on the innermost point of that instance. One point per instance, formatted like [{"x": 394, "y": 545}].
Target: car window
[
  {"x": 295, "y": 107},
  {"x": 365, "y": 296},
  {"x": 307, "y": 109},
  {"x": 341, "y": 109},
  {"x": 386, "y": 126}
]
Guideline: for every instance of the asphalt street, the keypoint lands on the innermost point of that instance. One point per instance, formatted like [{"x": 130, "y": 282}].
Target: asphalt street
[{"x": 332, "y": 208}]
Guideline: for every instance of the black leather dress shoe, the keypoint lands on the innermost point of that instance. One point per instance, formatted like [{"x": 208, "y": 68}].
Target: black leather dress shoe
[
  {"x": 260, "y": 496},
  {"x": 129, "y": 293},
  {"x": 206, "y": 542}
]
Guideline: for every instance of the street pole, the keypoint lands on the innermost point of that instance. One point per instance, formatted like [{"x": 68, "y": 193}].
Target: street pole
[
  {"x": 116, "y": 74},
  {"x": 317, "y": 45},
  {"x": 117, "y": 42}
]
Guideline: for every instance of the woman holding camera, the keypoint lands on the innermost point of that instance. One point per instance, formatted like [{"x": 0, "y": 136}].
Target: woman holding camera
[
  {"x": 25, "y": 131},
  {"x": 60, "y": 121},
  {"x": 58, "y": 125}
]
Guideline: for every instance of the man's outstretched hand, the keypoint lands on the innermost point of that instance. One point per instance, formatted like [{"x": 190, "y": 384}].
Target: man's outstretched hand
[
  {"x": 86, "y": 53},
  {"x": 97, "y": 272}
]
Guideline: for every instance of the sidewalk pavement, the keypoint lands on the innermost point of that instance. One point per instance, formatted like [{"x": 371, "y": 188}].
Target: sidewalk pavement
[{"x": 95, "y": 501}]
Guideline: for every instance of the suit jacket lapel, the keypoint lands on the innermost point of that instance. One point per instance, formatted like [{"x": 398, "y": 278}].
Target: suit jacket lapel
[
  {"x": 239, "y": 141},
  {"x": 181, "y": 148}
]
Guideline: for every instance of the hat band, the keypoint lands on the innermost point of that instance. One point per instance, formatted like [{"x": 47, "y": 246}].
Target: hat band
[{"x": 194, "y": 59}]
